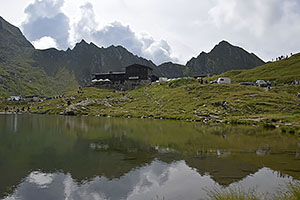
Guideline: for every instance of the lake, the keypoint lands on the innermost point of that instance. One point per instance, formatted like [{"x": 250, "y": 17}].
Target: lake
[{"x": 63, "y": 157}]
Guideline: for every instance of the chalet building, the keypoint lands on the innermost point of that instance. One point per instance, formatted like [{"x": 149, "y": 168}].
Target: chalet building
[
  {"x": 134, "y": 76},
  {"x": 139, "y": 72},
  {"x": 110, "y": 77}
]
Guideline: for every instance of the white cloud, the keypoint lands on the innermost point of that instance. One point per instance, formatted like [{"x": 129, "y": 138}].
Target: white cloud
[
  {"x": 158, "y": 51},
  {"x": 47, "y": 25},
  {"x": 45, "y": 43},
  {"x": 254, "y": 16},
  {"x": 116, "y": 33},
  {"x": 45, "y": 18},
  {"x": 40, "y": 179},
  {"x": 268, "y": 28}
]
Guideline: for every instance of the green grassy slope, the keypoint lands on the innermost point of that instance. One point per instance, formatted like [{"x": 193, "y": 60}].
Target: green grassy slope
[
  {"x": 22, "y": 78},
  {"x": 223, "y": 57},
  {"x": 283, "y": 71},
  {"x": 188, "y": 100},
  {"x": 20, "y": 74}
]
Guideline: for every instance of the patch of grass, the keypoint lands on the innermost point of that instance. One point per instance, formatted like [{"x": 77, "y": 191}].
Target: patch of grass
[
  {"x": 23, "y": 78},
  {"x": 186, "y": 99},
  {"x": 290, "y": 192},
  {"x": 283, "y": 71},
  {"x": 233, "y": 194}
]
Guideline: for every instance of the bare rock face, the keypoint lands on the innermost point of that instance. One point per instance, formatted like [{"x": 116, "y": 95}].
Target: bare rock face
[
  {"x": 83, "y": 60},
  {"x": 173, "y": 70},
  {"x": 86, "y": 58},
  {"x": 76, "y": 66},
  {"x": 12, "y": 42},
  {"x": 223, "y": 57}
]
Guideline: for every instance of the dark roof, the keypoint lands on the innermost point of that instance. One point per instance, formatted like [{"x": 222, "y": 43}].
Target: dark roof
[
  {"x": 117, "y": 73},
  {"x": 199, "y": 75},
  {"x": 138, "y": 65}
]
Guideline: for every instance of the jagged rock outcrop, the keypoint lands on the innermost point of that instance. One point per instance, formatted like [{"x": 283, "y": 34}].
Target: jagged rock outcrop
[
  {"x": 223, "y": 57},
  {"x": 172, "y": 70},
  {"x": 85, "y": 59},
  {"x": 12, "y": 42},
  {"x": 49, "y": 69}
]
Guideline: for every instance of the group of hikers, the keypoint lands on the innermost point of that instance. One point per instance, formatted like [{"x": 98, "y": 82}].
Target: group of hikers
[
  {"x": 269, "y": 84},
  {"x": 201, "y": 81},
  {"x": 295, "y": 82},
  {"x": 16, "y": 110},
  {"x": 80, "y": 91},
  {"x": 282, "y": 57}
]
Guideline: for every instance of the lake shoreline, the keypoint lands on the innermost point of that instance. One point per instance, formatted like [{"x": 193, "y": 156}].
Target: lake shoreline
[
  {"x": 184, "y": 100},
  {"x": 57, "y": 148},
  {"x": 266, "y": 122}
]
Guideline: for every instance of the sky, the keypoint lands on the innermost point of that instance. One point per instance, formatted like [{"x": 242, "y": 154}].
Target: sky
[{"x": 160, "y": 30}]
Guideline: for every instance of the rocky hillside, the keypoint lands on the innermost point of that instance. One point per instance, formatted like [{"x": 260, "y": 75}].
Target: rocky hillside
[
  {"x": 26, "y": 70},
  {"x": 19, "y": 74},
  {"x": 283, "y": 72},
  {"x": 223, "y": 57},
  {"x": 85, "y": 59},
  {"x": 173, "y": 70},
  {"x": 12, "y": 42}
]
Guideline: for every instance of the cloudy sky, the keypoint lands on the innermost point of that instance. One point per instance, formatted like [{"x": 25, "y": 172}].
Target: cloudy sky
[{"x": 160, "y": 30}]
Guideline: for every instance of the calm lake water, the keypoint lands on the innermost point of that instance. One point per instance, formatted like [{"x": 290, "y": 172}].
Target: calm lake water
[{"x": 59, "y": 157}]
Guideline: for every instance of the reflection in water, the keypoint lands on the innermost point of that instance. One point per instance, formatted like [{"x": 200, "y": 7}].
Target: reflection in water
[
  {"x": 157, "y": 180},
  {"x": 40, "y": 179},
  {"x": 58, "y": 157}
]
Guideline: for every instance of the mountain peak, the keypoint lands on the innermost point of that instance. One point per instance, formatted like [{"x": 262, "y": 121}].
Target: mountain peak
[
  {"x": 83, "y": 42},
  {"x": 11, "y": 29},
  {"x": 223, "y": 57},
  {"x": 12, "y": 41},
  {"x": 2, "y": 20},
  {"x": 223, "y": 45},
  {"x": 13, "y": 32},
  {"x": 224, "y": 42},
  {"x": 7, "y": 26}
]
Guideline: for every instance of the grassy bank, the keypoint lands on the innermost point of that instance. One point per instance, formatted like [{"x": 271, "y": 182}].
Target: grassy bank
[
  {"x": 283, "y": 71},
  {"x": 186, "y": 99},
  {"x": 22, "y": 78},
  {"x": 292, "y": 192}
]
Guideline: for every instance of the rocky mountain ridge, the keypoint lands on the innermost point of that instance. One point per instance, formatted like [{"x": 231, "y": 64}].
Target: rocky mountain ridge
[
  {"x": 85, "y": 59},
  {"x": 12, "y": 42},
  {"x": 17, "y": 55},
  {"x": 223, "y": 57}
]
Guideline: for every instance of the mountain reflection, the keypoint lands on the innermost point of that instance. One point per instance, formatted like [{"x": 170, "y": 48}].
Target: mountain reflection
[
  {"x": 57, "y": 157},
  {"x": 156, "y": 180}
]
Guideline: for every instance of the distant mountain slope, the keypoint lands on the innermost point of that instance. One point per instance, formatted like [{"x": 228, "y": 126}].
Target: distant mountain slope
[
  {"x": 283, "y": 71},
  {"x": 172, "y": 70},
  {"x": 19, "y": 75},
  {"x": 25, "y": 70},
  {"x": 12, "y": 42},
  {"x": 223, "y": 57},
  {"x": 85, "y": 59},
  {"x": 22, "y": 78}
]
